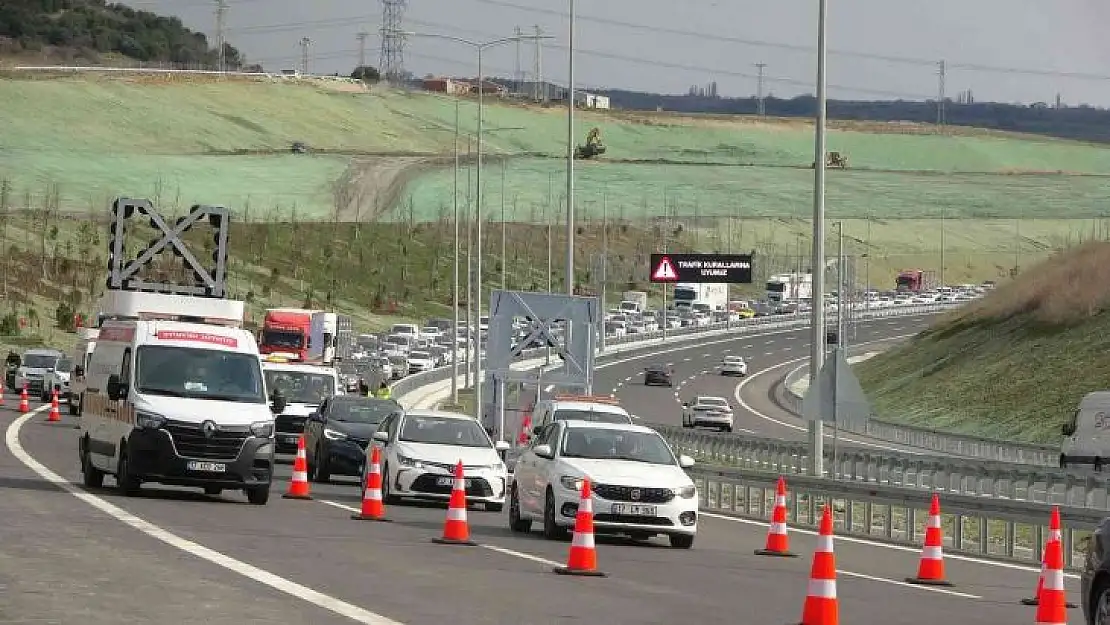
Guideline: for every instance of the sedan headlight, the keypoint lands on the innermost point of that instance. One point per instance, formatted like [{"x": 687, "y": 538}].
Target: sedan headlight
[
  {"x": 571, "y": 482},
  {"x": 334, "y": 435},
  {"x": 149, "y": 420},
  {"x": 686, "y": 492},
  {"x": 410, "y": 462},
  {"x": 263, "y": 429}
]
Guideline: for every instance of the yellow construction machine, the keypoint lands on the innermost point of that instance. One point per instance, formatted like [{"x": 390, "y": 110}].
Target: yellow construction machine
[{"x": 593, "y": 145}]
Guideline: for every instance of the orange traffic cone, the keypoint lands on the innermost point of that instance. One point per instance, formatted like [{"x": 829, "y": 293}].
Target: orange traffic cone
[
  {"x": 24, "y": 401},
  {"x": 298, "y": 485},
  {"x": 582, "y": 559},
  {"x": 1052, "y": 607},
  {"x": 930, "y": 571},
  {"x": 525, "y": 430},
  {"x": 55, "y": 414},
  {"x": 821, "y": 606},
  {"x": 372, "y": 507},
  {"x": 778, "y": 543},
  {"x": 1, "y": 392},
  {"x": 456, "y": 531},
  {"x": 1054, "y": 533}
]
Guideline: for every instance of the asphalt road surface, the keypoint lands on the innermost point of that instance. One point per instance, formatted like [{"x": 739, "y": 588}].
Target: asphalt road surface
[{"x": 175, "y": 555}]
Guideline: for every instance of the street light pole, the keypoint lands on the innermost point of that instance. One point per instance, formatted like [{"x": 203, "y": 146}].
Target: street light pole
[
  {"x": 570, "y": 155},
  {"x": 817, "y": 315},
  {"x": 504, "y": 264},
  {"x": 478, "y": 242},
  {"x": 455, "y": 281}
]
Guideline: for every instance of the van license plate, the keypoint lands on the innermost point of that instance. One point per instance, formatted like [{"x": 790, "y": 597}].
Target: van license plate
[
  {"x": 633, "y": 510},
  {"x": 207, "y": 467}
]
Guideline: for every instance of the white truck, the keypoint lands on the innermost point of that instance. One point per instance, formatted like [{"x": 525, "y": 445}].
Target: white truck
[
  {"x": 711, "y": 297},
  {"x": 789, "y": 287},
  {"x": 633, "y": 302},
  {"x": 330, "y": 336}
]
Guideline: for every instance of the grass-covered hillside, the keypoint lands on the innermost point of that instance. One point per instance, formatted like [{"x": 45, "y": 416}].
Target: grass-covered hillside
[{"x": 1013, "y": 365}]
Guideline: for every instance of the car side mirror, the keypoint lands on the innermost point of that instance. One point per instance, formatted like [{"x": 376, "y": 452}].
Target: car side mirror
[
  {"x": 78, "y": 371},
  {"x": 544, "y": 451},
  {"x": 381, "y": 436},
  {"x": 115, "y": 389},
  {"x": 278, "y": 405},
  {"x": 685, "y": 461},
  {"x": 502, "y": 447}
]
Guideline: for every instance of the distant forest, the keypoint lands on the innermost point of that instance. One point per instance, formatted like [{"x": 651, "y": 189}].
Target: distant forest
[
  {"x": 89, "y": 28},
  {"x": 1085, "y": 123}
]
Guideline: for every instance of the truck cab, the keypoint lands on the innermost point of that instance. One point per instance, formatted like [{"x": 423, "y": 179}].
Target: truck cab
[
  {"x": 286, "y": 332},
  {"x": 175, "y": 395}
]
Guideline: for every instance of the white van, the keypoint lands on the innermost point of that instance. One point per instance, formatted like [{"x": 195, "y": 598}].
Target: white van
[
  {"x": 81, "y": 355},
  {"x": 303, "y": 388},
  {"x": 175, "y": 395},
  {"x": 1087, "y": 434}
]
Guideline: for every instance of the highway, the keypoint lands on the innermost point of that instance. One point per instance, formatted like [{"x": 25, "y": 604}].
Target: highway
[
  {"x": 770, "y": 356},
  {"x": 179, "y": 556}
]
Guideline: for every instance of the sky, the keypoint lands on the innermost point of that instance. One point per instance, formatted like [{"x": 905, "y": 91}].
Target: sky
[{"x": 1003, "y": 50}]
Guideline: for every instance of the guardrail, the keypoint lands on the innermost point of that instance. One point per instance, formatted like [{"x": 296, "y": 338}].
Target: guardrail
[
  {"x": 997, "y": 529},
  {"x": 934, "y": 440},
  {"x": 648, "y": 341},
  {"x": 983, "y": 479}
]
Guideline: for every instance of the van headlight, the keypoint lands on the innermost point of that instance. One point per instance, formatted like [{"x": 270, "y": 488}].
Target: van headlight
[
  {"x": 571, "y": 482},
  {"x": 686, "y": 492},
  {"x": 149, "y": 420},
  {"x": 262, "y": 429}
]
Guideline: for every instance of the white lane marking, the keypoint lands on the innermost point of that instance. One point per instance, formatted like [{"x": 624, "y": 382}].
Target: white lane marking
[
  {"x": 549, "y": 388},
  {"x": 769, "y": 343},
  {"x": 293, "y": 589},
  {"x": 725, "y": 351},
  {"x": 629, "y": 378},
  {"x": 895, "y": 582},
  {"x": 738, "y": 394},
  {"x": 744, "y": 430},
  {"x": 686, "y": 359},
  {"x": 768, "y": 353},
  {"x": 871, "y": 543},
  {"x": 494, "y": 548},
  {"x": 786, "y": 349}
]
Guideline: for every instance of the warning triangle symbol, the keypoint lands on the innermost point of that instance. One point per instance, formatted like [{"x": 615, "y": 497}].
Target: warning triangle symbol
[{"x": 665, "y": 271}]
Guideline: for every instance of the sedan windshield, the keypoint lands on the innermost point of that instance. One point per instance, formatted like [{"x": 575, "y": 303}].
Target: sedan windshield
[
  {"x": 361, "y": 410},
  {"x": 590, "y": 415},
  {"x": 420, "y": 356},
  {"x": 301, "y": 387},
  {"x": 199, "y": 373},
  {"x": 39, "y": 361},
  {"x": 611, "y": 444},
  {"x": 444, "y": 431}
]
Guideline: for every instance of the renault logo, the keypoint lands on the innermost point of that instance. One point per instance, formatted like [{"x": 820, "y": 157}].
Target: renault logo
[
  {"x": 635, "y": 494},
  {"x": 209, "y": 428}
]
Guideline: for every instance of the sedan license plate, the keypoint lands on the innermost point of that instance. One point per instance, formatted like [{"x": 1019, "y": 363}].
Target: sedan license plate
[
  {"x": 450, "y": 481},
  {"x": 207, "y": 467},
  {"x": 634, "y": 510},
  {"x": 292, "y": 440}
]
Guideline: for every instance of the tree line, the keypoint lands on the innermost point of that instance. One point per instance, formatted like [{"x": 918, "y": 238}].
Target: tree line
[{"x": 89, "y": 27}]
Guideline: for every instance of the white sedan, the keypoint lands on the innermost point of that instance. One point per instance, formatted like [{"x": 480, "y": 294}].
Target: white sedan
[
  {"x": 734, "y": 365},
  {"x": 420, "y": 449},
  {"x": 639, "y": 488},
  {"x": 714, "y": 412},
  {"x": 421, "y": 361}
]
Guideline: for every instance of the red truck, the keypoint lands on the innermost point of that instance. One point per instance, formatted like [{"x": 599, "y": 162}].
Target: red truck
[
  {"x": 915, "y": 281},
  {"x": 286, "y": 332}
]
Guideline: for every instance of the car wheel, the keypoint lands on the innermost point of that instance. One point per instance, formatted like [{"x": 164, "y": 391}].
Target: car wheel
[
  {"x": 258, "y": 495},
  {"x": 681, "y": 541},
  {"x": 92, "y": 476},
  {"x": 517, "y": 524},
  {"x": 551, "y": 529},
  {"x": 323, "y": 471},
  {"x": 127, "y": 484},
  {"x": 1100, "y": 603},
  {"x": 387, "y": 487}
]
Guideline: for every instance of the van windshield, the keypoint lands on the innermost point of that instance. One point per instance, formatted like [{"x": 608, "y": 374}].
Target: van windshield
[
  {"x": 39, "y": 361},
  {"x": 590, "y": 415},
  {"x": 199, "y": 374}
]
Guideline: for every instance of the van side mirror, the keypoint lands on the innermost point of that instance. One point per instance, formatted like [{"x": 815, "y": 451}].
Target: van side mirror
[
  {"x": 381, "y": 436},
  {"x": 502, "y": 446},
  {"x": 1068, "y": 429},
  {"x": 685, "y": 462},
  {"x": 115, "y": 389},
  {"x": 79, "y": 371}
]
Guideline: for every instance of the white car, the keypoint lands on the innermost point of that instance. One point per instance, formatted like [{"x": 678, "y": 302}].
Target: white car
[
  {"x": 714, "y": 412},
  {"x": 734, "y": 365},
  {"x": 420, "y": 449},
  {"x": 421, "y": 361},
  {"x": 639, "y": 488}
]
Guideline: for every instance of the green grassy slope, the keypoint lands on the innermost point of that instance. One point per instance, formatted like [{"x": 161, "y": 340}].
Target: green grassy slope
[{"x": 1012, "y": 366}]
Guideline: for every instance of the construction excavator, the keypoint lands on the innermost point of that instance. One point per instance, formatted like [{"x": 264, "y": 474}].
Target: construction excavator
[
  {"x": 593, "y": 145},
  {"x": 836, "y": 160}
]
